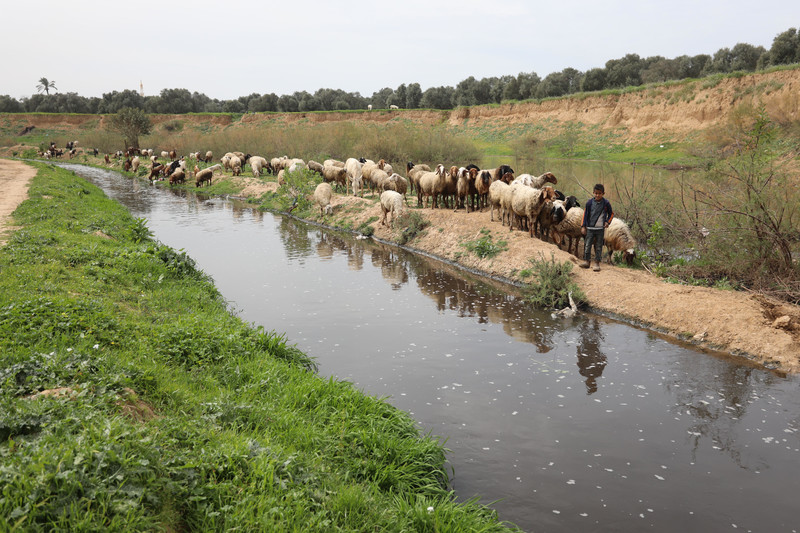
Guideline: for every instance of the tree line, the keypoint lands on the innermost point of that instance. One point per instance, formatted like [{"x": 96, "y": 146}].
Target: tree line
[{"x": 628, "y": 71}]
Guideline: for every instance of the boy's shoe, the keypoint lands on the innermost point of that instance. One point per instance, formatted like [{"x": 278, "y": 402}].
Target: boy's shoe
[
  {"x": 584, "y": 264},
  {"x": 596, "y": 266}
]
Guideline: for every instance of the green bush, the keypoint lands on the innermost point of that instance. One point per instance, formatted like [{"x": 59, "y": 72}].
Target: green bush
[
  {"x": 485, "y": 247},
  {"x": 551, "y": 285}
]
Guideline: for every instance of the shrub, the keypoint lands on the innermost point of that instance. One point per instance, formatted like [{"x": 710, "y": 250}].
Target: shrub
[
  {"x": 551, "y": 285},
  {"x": 414, "y": 224}
]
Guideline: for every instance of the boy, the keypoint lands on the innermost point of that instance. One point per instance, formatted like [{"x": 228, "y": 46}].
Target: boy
[{"x": 596, "y": 218}]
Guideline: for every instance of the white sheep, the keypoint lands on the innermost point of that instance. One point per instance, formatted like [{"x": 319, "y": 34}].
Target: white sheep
[
  {"x": 413, "y": 172},
  {"x": 333, "y": 163},
  {"x": 537, "y": 182},
  {"x": 164, "y": 155},
  {"x": 209, "y": 156},
  {"x": 431, "y": 184},
  {"x": 527, "y": 203},
  {"x": 236, "y": 165},
  {"x": 135, "y": 164},
  {"x": 353, "y": 168},
  {"x": 496, "y": 191},
  {"x": 369, "y": 107},
  {"x": 391, "y": 202},
  {"x": 257, "y": 165},
  {"x": 322, "y": 198},
  {"x": 618, "y": 238},
  {"x": 393, "y": 107}
]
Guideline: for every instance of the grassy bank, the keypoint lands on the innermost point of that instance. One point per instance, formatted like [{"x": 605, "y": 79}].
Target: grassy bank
[{"x": 133, "y": 400}]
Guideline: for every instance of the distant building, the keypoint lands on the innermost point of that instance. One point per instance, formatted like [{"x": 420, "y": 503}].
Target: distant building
[{"x": 141, "y": 89}]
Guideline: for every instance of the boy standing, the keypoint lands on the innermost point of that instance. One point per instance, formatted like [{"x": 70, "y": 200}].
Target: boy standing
[{"x": 596, "y": 218}]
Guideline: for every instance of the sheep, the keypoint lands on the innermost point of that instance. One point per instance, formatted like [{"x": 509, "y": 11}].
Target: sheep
[
  {"x": 496, "y": 191},
  {"x": 322, "y": 198},
  {"x": 235, "y": 165},
  {"x": 483, "y": 180},
  {"x": 257, "y": 163},
  {"x": 369, "y": 107},
  {"x": 333, "y": 163},
  {"x": 527, "y": 203},
  {"x": 396, "y": 183},
  {"x": 431, "y": 184},
  {"x": 569, "y": 228},
  {"x": 135, "y": 164},
  {"x": 155, "y": 170},
  {"x": 499, "y": 172},
  {"x": 203, "y": 176},
  {"x": 334, "y": 174},
  {"x": 314, "y": 166},
  {"x": 164, "y": 154},
  {"x": 377, "y": 179},
  {"x": 618, "y": 238},
  {"x": 295, "y": 165},
  {"x": 276, "y": 163},
  {"x": 353, "y": 167},
  {"x": 536, "y": 182},
  {"x": 462, "y": 188},
  {"x": 413, "y": 172},
  {"x": 173, "y": 155},
  {"x": 393, "y": 107},
  {"x": 391, "y": 202},
  {"x": 179, "y": 176},
  {"x": 209, "y": 156}
]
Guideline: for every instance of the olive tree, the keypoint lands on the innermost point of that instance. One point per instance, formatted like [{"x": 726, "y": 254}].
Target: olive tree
[{"x": 131, "y": 123}]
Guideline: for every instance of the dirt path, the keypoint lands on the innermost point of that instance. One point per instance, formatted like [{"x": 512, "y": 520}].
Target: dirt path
[{"x": 15, "y": 177}]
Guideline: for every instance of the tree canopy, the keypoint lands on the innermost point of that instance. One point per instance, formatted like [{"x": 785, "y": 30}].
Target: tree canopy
[{"x": 629, "y": 70}]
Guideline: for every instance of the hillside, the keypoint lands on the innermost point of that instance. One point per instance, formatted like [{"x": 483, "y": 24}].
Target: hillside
[{"x": 674, "y": 112}]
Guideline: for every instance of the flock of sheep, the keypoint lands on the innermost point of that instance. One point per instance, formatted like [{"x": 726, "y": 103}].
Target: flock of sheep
[{"x": 526, "y": 202}]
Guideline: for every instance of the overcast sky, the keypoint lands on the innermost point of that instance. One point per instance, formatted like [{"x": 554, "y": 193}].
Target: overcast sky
[{"x": 239, "y": 47}]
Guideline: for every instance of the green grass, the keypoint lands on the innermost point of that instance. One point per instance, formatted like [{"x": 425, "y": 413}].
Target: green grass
[{"x": 173, "y": 414}]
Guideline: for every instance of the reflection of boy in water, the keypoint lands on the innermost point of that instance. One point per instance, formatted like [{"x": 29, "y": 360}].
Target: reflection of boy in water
[{"x": 591, "y": 361}]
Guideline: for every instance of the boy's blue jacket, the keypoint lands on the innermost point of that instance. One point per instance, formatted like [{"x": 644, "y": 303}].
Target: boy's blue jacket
[{"x": 608, "y": 214}]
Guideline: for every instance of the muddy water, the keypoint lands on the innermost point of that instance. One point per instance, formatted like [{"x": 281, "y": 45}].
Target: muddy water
[{"x": 578, "y": 425}]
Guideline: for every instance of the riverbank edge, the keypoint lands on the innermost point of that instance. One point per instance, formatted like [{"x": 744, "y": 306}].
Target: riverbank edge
[
  {"x": 505, "y": 282},
  {"x": 118, "y": 396}
]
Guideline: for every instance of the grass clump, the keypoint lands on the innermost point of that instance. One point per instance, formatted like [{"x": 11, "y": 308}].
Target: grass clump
[
  {"x": 551, "y": 285},
  {"x": 413, "y": 224},
  {"x": 132, "y": 399},
  {"x": 484, "y": 247}
]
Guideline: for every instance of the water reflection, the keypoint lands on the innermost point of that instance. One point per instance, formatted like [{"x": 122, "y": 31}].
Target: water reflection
[{"x": 591, "y": 359}]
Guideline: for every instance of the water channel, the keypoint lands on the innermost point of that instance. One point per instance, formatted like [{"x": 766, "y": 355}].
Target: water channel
[{"x": 586, "y": 424}]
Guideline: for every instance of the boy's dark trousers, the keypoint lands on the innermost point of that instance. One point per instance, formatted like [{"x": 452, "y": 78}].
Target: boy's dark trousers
[{"x": 593, "y": 237}]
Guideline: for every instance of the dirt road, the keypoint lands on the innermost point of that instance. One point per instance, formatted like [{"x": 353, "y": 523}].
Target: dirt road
[{"x": 15, "y": 177}]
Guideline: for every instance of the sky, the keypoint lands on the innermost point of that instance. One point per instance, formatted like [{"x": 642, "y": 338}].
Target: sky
[{"x": 239, "y": 47}]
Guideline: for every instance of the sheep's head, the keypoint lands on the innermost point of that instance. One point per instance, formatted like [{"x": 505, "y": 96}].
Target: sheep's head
[
  {"x": 381, "y": 164},
  {"x": 508, "y": 177},
  {"x": 505, "y": 169},
  {"x": 628, "y": 255},
  {"x": 549, "y": 178},
  {"x": 440, "y": 169},
  {"x": 548, "y": 193},
  {"x": 473, "y": 173},
  {"x": 558, "y": 211}
]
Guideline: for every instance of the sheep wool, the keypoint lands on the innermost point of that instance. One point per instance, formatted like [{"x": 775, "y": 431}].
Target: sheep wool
[{"x": 391, "y": 202}]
